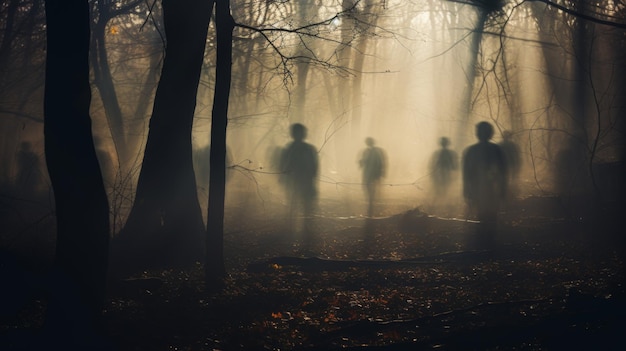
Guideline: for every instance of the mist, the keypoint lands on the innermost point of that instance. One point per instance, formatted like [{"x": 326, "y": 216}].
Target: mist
[
  {"x": 412, "y": 89},
  {"x": 416, "y": 74},
  {"x": 415, "y": 174}
]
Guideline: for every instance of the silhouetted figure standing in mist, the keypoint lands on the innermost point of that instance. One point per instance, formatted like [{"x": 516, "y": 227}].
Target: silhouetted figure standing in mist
[
  {"x": 484, "y": 182},
  {"x": 513, "y": 161},
  {"x": 28, "y": 170},
  {"x": 299, "y": 168},
  {"x": 443, "y": 166},
  {"x": 373, "y": 163}
]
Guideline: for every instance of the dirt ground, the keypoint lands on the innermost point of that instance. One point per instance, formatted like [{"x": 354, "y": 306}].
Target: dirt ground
[{"x": 405, "y": 280}]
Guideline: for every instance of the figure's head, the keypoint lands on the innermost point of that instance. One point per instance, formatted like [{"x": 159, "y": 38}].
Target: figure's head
[
  {"x": 444, "y": 142},
  {"x": 484, "y": 131},
  {"x": 369, "y": 141},
  {"x": 298, "y": 131}
]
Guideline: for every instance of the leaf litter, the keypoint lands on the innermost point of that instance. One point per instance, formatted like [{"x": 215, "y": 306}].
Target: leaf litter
[{"x": 403, "y": 282}]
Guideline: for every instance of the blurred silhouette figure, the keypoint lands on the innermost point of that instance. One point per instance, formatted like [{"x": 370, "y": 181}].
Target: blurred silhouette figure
[
  {"x": 484, "y": 182},
  {"x": 513, "y": 161},
  {"x": 299, "y": 168},
  {"x": 373, "y": 163},
  {"x": 29, "y": 175},
  {"x": 443, "y": 167}
]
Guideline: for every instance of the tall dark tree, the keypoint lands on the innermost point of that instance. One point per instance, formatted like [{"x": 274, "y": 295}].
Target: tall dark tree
[
  {"x": 82, "y": 211},
  {"x": 224, "y": 24},
  {"x": 165, "y": 224}
]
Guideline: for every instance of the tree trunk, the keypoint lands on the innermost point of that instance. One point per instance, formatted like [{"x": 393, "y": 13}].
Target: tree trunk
[
  {"x": 214, "y": 268},
  {"x": 368, "y": 15},
  {"x": 82, "y": 210},
  {"x": 144, "y": 100},
  {"x": 104, "y": 81},
  {"x": 470, "y": 76},
  {"x": 165, "y": 226}
]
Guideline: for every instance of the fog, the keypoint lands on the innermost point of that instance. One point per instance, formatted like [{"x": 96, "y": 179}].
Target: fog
[
  {"x": 418, "y": 72},
  {"x": 366, "y": 201},
  {"x": 412, "y": 90}
]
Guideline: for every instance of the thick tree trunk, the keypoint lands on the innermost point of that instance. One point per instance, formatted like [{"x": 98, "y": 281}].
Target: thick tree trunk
[
  {"x": 224, "y": 23},
  {"x": 165, "y": 225},
  {"x": 82, "y": 210}
]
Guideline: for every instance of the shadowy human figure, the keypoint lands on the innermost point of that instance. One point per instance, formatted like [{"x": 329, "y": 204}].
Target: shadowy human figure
[
  {"x": 513, "y": 162},
  {"x": 484, "y": 182},
  {"x": 373, "y": 163},
  {"x": 299, "y": 168},
  {"x": 443, "y": 167},
  {"x": 29, "y": 176}
]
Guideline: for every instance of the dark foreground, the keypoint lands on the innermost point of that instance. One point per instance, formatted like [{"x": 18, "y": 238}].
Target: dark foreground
[{"x": 408, "y": 281}]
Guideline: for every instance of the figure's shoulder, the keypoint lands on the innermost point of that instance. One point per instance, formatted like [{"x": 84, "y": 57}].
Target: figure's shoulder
[
  {"x": 448, "y": 152},
  {"x": 497, "y": 150},
  {"x": 471, "y": 149},
  {"x": 497, "y": 147}
]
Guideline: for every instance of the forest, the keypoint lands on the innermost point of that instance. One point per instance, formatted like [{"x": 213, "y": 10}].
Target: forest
[{"x": 270, "y": 175}]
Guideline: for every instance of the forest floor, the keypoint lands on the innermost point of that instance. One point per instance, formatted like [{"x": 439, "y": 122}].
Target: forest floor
[{"x": 398, "y": 282}]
